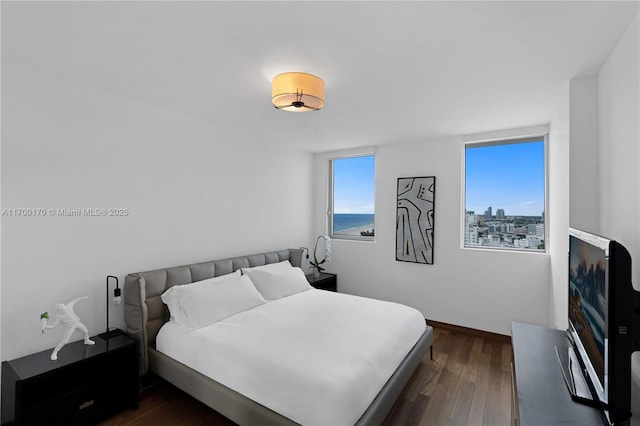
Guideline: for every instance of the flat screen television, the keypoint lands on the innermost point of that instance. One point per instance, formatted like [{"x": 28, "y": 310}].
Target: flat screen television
[{"x": 603, "y": 324}]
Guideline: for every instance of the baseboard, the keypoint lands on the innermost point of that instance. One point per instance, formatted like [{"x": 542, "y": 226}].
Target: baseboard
[{"x": 469, "y": 331}]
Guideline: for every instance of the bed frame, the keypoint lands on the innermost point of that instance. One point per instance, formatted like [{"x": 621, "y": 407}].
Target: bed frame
[{"x": 145, "y": 314}]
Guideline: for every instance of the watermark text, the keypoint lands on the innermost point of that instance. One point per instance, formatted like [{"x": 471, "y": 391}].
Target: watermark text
[{"x": 66, "y": 212}]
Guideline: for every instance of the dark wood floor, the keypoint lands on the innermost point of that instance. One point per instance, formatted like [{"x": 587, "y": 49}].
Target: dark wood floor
[{"x": 467, "y": 383}]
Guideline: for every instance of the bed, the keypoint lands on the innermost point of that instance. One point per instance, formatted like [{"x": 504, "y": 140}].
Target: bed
[{"x": 146, "y": 314}]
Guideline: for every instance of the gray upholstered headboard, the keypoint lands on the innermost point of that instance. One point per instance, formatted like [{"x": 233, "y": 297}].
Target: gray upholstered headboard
[{"x": 144, "y": 312}]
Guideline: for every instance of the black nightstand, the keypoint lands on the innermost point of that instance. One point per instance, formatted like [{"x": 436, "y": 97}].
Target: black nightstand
[
  {"x": 85, "y": 385},
  {"x": 325, "y": 281}
]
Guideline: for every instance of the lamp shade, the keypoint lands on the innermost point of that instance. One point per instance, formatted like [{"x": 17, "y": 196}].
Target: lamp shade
[{"x": 297, "y": 91}]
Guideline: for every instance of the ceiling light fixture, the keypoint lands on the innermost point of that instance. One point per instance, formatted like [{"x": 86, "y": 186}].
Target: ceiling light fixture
[{"x": 297, "y": 91}]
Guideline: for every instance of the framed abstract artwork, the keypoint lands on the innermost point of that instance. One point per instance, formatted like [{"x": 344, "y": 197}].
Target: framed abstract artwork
[{"x": 415, "y": 219}]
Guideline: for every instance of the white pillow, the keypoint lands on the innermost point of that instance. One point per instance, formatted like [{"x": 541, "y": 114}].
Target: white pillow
[
  {"x": 268, "y": 267},
  {"x": 279, "y": 283},
  {"x": 204, "y": 302},
  {"x": 173, "y": 296}
]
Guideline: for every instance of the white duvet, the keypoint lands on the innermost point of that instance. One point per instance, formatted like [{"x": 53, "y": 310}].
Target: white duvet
[{"x": 316, "y": 357}]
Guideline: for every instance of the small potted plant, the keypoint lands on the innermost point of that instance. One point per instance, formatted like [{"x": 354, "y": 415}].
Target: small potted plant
[{"x": 316, "y": 265}]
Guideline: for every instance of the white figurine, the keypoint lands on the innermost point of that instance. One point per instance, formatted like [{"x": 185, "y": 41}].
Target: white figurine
[{"x": 69, "y": 319}]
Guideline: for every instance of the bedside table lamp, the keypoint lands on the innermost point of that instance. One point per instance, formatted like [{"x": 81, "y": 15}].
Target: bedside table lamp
[{"x": 117, "y": 299}]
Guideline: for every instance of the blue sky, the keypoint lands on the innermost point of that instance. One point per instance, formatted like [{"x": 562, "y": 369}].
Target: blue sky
[
  {"x": 353, "y": 185},
  {"x": 509, "y": 177}
]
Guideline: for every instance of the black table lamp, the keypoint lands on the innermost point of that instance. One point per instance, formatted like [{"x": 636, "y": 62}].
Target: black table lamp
[{"x": 117, "y": 299}]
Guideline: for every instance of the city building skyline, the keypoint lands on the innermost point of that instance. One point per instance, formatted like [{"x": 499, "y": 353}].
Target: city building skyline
[
  {"x": 504, "y": 231},
  {"x": 501, "y": 214}
]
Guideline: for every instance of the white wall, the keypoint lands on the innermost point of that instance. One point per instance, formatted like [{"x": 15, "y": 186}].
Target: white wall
[
  {"x": 559, "y": 158},
  {"x": 481, "y": 289},
  {"x": 194, "y": 192},
  {"x": 604, "y": 172},
  {"x": 584, "y": 163},
  {"x": 619, "y": 113},
  {"x": 574, "y": 176}
]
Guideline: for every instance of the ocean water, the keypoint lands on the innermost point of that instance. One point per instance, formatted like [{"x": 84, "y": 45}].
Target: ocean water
[{"x": 345, "y": 221}]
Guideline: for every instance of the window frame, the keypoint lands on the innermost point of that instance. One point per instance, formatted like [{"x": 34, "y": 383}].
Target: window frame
[
  {"x": 496, "y": 141},
  {"x": 330, "y": 201}
]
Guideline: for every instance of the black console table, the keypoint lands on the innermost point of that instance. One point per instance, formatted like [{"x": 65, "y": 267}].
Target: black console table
[
  {"x": 540, "y": 395},
  {"x": 85, "y": 385}
]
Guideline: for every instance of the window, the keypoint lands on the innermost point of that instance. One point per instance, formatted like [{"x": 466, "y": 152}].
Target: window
[
  {"x": 351, "y": 197},
  {"x": 505, "y": 194}
]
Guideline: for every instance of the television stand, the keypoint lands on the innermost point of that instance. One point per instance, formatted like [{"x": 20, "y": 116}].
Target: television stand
[
  {"x": 574, "y": 378},
  {"x": 540, "y": 394}
]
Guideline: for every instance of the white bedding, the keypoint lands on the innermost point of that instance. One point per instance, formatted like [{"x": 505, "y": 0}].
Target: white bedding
[{"x": 316, "y": 357}]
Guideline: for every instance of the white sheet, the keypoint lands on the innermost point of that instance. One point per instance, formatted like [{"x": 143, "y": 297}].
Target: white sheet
[{"x": 316, "y": 357}]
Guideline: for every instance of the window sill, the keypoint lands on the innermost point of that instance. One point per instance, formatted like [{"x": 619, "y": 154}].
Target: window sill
[
  {"x": 505, "y": 250},
  {"x": 352, "y": 238}
]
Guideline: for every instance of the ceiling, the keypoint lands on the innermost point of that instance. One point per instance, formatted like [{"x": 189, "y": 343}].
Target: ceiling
[{"x": 394, "y": 71}]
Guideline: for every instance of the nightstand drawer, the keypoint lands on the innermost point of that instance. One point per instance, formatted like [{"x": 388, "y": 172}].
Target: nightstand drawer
[
  {"x": 330, "y": 286},
  {"x": 79, "y": 407},
  {"x": 325, "y": 281},
  {"x": 64, "y": 381}
]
